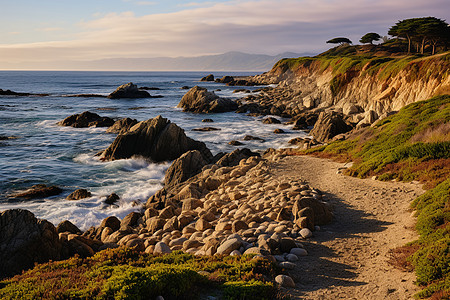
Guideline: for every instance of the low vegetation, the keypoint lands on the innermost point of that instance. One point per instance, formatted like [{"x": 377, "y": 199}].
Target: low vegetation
[
  {"x": 124, "y": 273},
  {"x": 413, "y": 144}
]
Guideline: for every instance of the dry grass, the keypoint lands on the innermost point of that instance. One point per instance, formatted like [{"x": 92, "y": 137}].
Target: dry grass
[
  {"x": 398, "y": 257},
  {"x": 438, "y": 133}
]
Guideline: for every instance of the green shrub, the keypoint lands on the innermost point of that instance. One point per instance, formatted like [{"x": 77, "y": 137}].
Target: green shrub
[
  {"x": 124, "y": 273},
  {"x": 249, "y": 290}
]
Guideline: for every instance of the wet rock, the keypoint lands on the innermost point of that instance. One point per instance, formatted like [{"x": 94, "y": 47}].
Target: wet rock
[
  {"x": 111, "y": 199},
  {"x": 207, "y": 120},
  {"x": 79, "y": 194},
  {"x": 86, "y": 119},
  {"x": 122, "y": 125},
  {"x": 38, "y": 191},
  {"x": 271, "y": 120},
  {"x": 278, "y": 131},
  {"x": 206, "y": 129},
  {"x": 157, "y": 139},
  {"x": 235, "y": 143},
  {"x": 128, "y": 90},
  {"x": 24, "y": 241},
  {"x": 199, "y": 100},
  {"x": 252, "y": 138},
  {"x": 12, "y": 93}
]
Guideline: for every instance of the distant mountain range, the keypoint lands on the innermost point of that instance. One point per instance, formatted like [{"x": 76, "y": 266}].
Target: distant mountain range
[{"x": 230, "y": 61}]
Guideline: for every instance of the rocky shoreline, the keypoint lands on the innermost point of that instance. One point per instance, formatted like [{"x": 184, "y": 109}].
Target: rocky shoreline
[{"x": 229, "y": 204}]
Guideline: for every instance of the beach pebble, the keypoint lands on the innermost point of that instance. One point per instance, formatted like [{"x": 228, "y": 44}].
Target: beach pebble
[
  {"x": 287, "y": 265},
  {"x": 306, "y": 233},
  {"x": 285, "y": 281},
  {"x": 291, "y": 257},
  {"x": 299, "y": 252}
]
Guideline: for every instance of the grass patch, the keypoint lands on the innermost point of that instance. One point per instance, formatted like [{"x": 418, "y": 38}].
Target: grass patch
[
  {"x": 413, "y": 144},
  {"x": 127, "y": 274}
]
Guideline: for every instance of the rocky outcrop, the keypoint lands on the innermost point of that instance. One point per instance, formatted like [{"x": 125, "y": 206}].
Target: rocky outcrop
[
  {"x": 12, "y": 93},
  {"x": 328, "y": 125},
  {"x": 199, "y": 100},
  {"x": 86, "y": 119},
  {"x": 130, "y": 91},
  {"x": 183, "y": 168},
  {"x": 122, "y": 125},
  {"x": 24, "y": 241},
  {"x": 157, "y": 139},
  {"x": 209, "y": 77},
  {"x": 38, "y": 191}
]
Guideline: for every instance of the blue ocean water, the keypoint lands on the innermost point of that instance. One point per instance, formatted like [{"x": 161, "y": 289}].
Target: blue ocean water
[{"x": 43, "y": 152}]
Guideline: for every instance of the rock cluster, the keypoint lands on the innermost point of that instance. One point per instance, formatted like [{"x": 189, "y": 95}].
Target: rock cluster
[
  {"x": 86, "y": 119},
  {"x": 129, "y": 90},
  {"x": 228, "y": 210},
  {"x": 199, "y": 100},
  {"x": 157, "y": 139}
]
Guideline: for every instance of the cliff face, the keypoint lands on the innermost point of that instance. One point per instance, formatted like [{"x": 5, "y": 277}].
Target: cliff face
[{"x": 378, "y": 84}]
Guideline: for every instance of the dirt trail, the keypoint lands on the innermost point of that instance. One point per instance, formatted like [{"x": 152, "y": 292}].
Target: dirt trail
[{"x": 348, "y": 258}]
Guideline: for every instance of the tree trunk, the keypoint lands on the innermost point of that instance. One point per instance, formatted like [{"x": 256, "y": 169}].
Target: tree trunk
[
  {"x": 423, "y": 46},
  {"x": 409, "y": 44}
]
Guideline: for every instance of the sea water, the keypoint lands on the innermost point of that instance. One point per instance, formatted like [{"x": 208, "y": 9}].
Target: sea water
[{"x": 43, "y": 152}]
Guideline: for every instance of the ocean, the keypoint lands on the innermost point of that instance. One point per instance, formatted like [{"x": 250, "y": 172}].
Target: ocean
[{"x": 42, "y": 152}]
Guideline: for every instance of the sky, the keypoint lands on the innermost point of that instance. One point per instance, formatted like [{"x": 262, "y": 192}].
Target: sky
[{"x": 47, "y": 32}]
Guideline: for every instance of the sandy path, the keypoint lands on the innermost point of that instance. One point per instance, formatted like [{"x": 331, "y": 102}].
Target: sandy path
[{"x": 348, "y": 258}]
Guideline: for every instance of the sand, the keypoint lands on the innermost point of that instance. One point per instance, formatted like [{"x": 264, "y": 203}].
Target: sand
[{"x": 348, "y": 259}]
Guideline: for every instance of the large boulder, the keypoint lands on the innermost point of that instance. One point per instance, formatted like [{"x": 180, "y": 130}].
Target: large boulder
[
  {"x": 86, "y": 119},
  {"x": 184, "y": 167},
  {"x": 129, "y": 90},
  {"x": 157, "y": 139},
  {"x": 25, "y": 240},
  {"x": 328, "y": 125},
  {"x": 199, "y": 100}
]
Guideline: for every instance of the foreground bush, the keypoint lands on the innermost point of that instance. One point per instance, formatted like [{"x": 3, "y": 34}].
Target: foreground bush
[
  {"x": 413, "y": 144},
  {"x": 127, "y": 274}
]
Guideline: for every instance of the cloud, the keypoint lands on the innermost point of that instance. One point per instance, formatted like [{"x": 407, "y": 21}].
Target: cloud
[{"x": 252, "y": 26}]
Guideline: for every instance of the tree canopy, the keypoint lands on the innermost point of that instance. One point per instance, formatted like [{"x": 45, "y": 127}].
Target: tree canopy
[
  {"x": 339, "y": 40},
  {"x": 422, "y": 31},
  {"x": 370, "y": 37}
]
